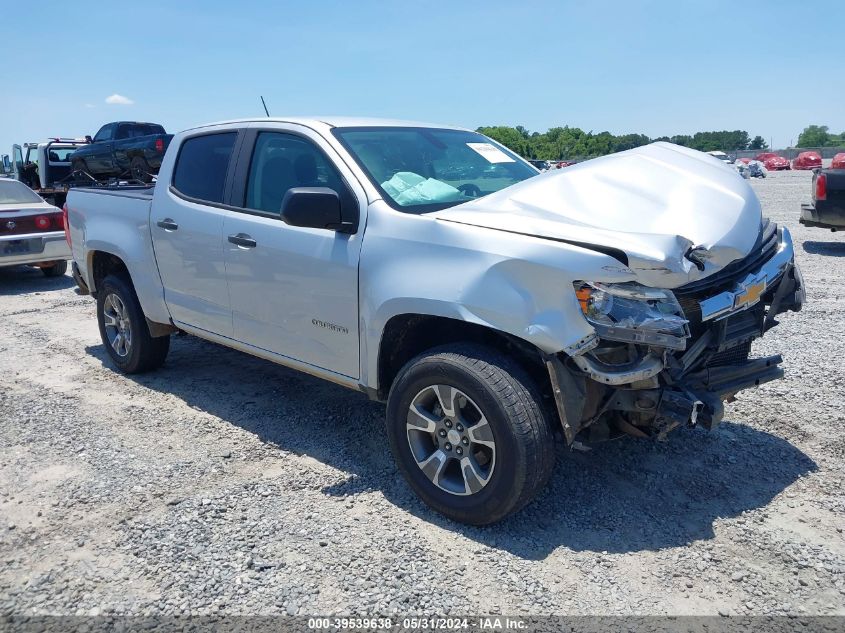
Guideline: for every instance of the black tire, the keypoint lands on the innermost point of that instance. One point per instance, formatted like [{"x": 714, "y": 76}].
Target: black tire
[
  {"x": 56, "y": 270},
  {"x": 140, "y": 170},
  {"x": 143, "y": 352},
  {"x": 508, "y": 399}
]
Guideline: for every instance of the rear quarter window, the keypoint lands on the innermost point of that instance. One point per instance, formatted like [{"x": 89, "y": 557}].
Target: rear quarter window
[
  {"x": 134, "y": 130},
  {"x": 202, "y": 164}
]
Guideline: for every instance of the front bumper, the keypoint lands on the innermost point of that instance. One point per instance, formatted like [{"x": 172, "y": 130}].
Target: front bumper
[
  {"x": 649, "y": 390},
  {"x": 33, "y": 248}
]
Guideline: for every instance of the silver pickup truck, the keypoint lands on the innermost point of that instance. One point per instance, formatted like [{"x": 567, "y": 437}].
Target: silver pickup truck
[{"x": 489, "y": 305}]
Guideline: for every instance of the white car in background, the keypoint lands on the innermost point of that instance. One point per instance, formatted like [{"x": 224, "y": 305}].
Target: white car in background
[
  {"x": 32, "y": 231},
  {"x": 722, "y": 157}
]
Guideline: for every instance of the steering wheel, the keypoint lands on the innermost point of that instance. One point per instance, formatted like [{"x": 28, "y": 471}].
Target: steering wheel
[{"x": 470, "y": 190}]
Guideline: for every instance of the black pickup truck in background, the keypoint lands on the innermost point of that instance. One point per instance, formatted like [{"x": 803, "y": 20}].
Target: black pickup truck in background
[
  {"x": 827, "y": 211},
  {"x": 123, "y": 149}
]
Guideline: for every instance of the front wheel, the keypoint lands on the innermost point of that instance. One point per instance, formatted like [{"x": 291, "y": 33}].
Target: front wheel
[
  {"x": 468, "y": 432},
  {"x": 123, "y": 328}
]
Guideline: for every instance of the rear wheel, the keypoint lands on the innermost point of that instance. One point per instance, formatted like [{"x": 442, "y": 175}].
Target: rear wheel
[
  {"x": 468, "y": 432},
  {"x": 140, "y": 170},
  {"x": 56, "y": 270},
  {"x": 123, "y": 328}
]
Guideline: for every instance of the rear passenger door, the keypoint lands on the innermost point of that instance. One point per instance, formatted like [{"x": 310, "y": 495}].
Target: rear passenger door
[
  {"x": 187, "y": 228},
  {"x": 293, "y": 290}
]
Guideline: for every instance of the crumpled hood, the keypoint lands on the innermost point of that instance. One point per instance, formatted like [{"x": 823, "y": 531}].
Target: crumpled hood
[{"x": 654, "y": 203}]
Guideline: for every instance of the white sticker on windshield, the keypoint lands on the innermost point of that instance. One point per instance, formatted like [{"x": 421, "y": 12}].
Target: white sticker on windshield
[{"x": 492, "y": 153}]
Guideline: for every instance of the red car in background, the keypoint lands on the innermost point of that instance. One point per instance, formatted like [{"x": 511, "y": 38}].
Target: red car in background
[
  {"x": 838, "y": 161},
  {"x": 773, "y": 162},
  {"x": 762, "y": 156},
  {"x": 807, "y": 160}
]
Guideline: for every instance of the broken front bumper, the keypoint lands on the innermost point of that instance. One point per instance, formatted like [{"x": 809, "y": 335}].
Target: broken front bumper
[{"x": 654, "y": 390}]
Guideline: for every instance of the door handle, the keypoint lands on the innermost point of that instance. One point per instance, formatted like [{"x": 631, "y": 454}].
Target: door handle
[
  {"x": 167, "y": 224},
  {"x": 243, "y": 240}
]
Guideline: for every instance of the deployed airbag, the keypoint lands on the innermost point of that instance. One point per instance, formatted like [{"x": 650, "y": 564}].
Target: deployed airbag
[{"x": 408, "y": 188}]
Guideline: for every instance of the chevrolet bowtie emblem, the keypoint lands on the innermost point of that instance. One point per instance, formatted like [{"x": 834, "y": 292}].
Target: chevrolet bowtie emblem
[{"x": 749, "y": 295}]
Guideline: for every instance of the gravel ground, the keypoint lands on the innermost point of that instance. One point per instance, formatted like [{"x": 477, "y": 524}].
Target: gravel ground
[{"x": 225, "y": 484}]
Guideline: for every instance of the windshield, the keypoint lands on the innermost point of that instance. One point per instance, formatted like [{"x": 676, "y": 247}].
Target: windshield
[
  {"x": 15, "y": 192},
  {"x": 426, "y": 169}
]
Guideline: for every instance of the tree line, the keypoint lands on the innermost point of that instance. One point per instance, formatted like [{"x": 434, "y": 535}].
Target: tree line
[
  {"x": 560, "y": 143},
  {"x": 820, "y": 136}
]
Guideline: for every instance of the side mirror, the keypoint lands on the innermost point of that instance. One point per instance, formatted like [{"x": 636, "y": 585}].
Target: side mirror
[
  {"x": 315, "y": 208},
  {"x": 88, "y": 138}
]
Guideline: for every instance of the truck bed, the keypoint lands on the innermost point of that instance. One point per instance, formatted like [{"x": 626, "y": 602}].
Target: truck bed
[
  {"x": 828, "y": 213},
  {"x": 142, "y": 192},
  {"x": 115, "y": 220}
]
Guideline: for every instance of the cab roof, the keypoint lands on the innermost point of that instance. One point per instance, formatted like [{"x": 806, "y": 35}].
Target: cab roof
[{"x": 334, "y": 121}]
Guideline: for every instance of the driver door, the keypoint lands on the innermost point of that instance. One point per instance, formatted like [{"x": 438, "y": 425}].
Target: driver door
[
  {"x": 17, "y": 161},
  {"x": 293, "y": 290},
  {"x": 100, "y": 158}
]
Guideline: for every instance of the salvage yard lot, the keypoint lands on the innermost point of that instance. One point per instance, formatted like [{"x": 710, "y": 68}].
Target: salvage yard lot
[{"x": 226, "y": 484}]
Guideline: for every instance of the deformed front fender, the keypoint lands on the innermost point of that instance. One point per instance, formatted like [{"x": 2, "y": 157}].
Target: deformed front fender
[{"x": 516, "y": 284}]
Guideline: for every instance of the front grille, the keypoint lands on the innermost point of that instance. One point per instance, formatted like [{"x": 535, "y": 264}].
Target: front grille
[
  {"x": 692, "y": 312},
  {"x": 764, "y": 250},
  {"x": 691, "y": 294},
  {"x": 733, "y": 356}
]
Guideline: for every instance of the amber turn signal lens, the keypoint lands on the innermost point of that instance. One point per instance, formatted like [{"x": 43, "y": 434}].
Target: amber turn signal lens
[{"x": 584, "y": 295}]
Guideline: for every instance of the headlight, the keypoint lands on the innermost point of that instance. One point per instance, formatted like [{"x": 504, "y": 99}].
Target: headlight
[{"x": 633, "y": 313}]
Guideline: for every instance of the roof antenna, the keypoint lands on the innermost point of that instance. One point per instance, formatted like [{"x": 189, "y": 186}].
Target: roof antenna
[{"x": 265, "y": 107}]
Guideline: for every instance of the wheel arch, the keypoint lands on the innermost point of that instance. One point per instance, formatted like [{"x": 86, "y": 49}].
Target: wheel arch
[
  {"x": 101, "y": 263},
  {"x": 409, "y": 334}
]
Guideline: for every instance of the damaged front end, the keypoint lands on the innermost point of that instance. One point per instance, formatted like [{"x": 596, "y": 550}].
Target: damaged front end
[{"x": 663, "y": 359}]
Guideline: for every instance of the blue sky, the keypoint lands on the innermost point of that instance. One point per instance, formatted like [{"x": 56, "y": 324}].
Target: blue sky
[{"x": 656, "y": 67}]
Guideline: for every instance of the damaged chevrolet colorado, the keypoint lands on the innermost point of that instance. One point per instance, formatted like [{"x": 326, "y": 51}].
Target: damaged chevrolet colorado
[{"x": 488, "y": 305}]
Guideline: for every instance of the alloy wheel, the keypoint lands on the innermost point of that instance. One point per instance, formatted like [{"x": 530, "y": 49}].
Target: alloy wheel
[
  {"x": 451, "y": 440},
  {"x": 118, "y": 327}
]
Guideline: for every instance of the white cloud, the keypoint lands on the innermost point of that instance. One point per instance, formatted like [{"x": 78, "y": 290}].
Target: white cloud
[
  {"x": 117, "y": 99},
  {"x": 89, "y": 105}
]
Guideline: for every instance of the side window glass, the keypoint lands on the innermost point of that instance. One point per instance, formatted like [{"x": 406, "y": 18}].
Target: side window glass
[
  {"x": 283, "y": 161},
  {"x": 17, "y": 158},
  {"x": 202, "y": 164},
  {"x": 105, "y": 133}
]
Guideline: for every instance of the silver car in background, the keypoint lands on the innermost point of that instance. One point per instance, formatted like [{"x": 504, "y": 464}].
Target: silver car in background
[{"x": 32, "y": 231}]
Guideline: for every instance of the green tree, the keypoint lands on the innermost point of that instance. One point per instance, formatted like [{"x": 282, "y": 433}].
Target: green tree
[
  {"x": 566, "y": 142},
  {"x": 723, "y": 140},
  {"x": 509, "y": 137},
  {"x": 630, "y": 141},
  {"x": 758, "y": 142},
  {"x": 814, "y": 136}
]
